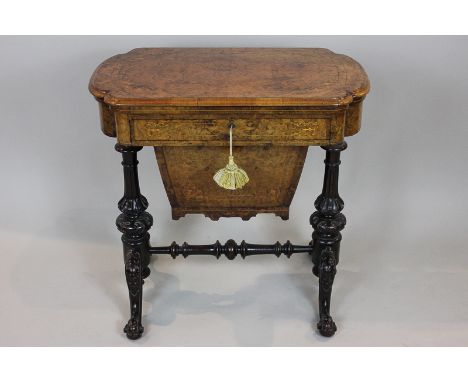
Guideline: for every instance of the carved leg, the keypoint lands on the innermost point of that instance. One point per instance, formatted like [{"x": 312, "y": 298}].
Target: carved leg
[
  {"x": 327, "y": 222},
  {"x": 133, "y": 274},
  {"x": 134, "y": 223},
  {"x": 327, "y": 271}
]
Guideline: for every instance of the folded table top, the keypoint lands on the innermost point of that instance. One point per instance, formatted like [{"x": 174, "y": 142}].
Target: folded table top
[{"x": 229, "y": 77}]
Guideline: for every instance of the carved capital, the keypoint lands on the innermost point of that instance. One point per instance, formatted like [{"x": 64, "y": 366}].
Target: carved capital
[
  {"x": 329, "y": 206},
  {"x": 134, "y": 226},
  {"x": 327, "y": 226},
  {"x": 133, "y": 205}
]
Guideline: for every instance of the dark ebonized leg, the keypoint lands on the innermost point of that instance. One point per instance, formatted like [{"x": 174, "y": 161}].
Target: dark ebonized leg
[
  {"x": 134, "y": 223},
  {"x": 327, "y": 222}
]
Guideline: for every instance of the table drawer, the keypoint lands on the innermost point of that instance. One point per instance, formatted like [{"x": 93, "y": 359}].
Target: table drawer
[{"x": 215, "y": 131}]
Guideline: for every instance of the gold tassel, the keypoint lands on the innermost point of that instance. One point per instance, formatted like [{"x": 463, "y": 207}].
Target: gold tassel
[{"x": 231, "y": 177}]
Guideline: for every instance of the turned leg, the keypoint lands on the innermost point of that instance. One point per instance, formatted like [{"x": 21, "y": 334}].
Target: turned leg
[
  {"x": 134, "y": 223},
  {"x": 327, "y": 222}
]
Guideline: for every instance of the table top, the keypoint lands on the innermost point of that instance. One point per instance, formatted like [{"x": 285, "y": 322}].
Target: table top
[{"x": 229, "y": 77}]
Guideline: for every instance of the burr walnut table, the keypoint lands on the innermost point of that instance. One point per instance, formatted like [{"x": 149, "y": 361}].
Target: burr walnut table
[{"x": 182, "y": 101}]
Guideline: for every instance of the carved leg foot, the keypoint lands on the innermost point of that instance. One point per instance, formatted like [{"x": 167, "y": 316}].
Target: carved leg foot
[
  {"x": 133, "y": 329},
  {"x": 326, "y": 326}
]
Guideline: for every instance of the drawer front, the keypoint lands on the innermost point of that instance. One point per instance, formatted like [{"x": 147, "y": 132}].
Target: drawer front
[{"x": 215, "y": 131}]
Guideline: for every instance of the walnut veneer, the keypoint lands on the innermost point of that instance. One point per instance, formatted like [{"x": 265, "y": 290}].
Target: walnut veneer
[{"x": 178, "y": 99}]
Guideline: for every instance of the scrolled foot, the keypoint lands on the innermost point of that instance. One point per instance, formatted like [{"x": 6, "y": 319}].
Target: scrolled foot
[
  {"x": 133, "y": 329},
  {"x": 326, "y": 326}
]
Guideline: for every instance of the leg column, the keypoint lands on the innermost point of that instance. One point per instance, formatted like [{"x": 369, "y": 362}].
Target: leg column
[
  {"x": 327, "y": 222},
  {"x": 134, "y": 223}
]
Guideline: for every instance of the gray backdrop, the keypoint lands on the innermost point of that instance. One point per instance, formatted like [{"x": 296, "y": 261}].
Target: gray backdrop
[{"x": 402, "y": 279}]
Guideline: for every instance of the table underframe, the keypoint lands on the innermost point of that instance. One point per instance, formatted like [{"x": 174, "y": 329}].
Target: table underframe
[{"x": 134, "y": 222}]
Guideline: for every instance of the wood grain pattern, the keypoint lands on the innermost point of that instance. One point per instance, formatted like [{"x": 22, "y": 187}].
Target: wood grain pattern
[
  {"x": 158, "y": 126},
  {"x": 229, "y": 76},
  {"x": 181, "y": 132},
  {"x": 107, "y": 120},
  {"x": 187, "y": 174}
]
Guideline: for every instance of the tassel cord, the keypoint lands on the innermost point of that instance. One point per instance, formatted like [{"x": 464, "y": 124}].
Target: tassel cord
[{"x": 231, "y": 177}]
